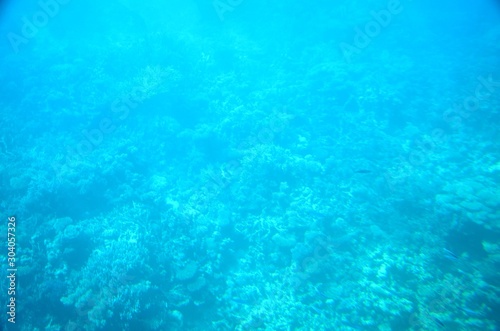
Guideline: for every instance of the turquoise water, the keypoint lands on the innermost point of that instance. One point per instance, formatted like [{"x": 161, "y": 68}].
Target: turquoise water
[{"x": 250, "y": 165}]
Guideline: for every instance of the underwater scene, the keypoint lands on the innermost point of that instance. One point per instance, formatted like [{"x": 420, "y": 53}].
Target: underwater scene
[{"x": 220, "y": 165}]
